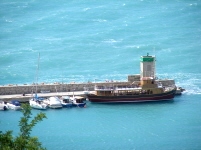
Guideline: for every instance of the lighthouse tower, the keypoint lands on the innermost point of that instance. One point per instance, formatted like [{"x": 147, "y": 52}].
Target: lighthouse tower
[{"x": 147, "y": 66}]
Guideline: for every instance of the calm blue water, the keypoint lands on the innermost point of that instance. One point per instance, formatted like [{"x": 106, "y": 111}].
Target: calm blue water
[{"x": 81, "y": 41}]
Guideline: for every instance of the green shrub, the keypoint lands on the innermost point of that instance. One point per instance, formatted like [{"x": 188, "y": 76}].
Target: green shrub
[{"x": 23, "y": 141}]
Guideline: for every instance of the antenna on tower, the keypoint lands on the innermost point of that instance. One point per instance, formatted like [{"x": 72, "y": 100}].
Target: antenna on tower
[{"x": 154, "y": 64}]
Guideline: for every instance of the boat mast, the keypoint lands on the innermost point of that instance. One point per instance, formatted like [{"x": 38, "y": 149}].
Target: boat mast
[
  {"x": 37, "y": 72},
  {"x": 154, "y": 67}
]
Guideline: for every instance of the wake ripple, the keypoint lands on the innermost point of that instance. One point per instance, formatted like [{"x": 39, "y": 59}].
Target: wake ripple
[{"x": 189, "y": 81}]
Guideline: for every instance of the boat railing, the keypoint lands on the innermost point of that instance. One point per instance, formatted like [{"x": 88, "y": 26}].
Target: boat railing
[
  {"x": 103, "y": 88},
  {"x": 117, "y": 88},
  {"x": 169, "y": 88},
  {"x": 128, "y": 88}
]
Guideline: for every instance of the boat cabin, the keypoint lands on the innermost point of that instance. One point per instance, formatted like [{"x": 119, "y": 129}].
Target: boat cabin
[
  {"x": 79, "y": 100},
  {"x": 66, "y": 99},
  {"x": 147, "y": 86}
]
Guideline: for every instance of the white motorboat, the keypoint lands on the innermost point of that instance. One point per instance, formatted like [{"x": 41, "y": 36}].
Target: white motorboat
[
  {"x": 3, "y": 106},
  {"x": 14, "y": 104},
  {"x": 38, "y": 103},
  {"x": 66, "y": 101},
  {"x": 53, "y": 102},
  {"x": 78, "y": 101}
]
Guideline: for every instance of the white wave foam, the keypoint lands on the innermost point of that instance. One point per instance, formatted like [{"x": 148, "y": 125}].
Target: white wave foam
[
  {"x": 133, "y": 46},
  {"x": 191, "y": 82},
  {"x": 112, "y": 41},
  {"x": 48, "y": 39},
  {"x": 99, "y": 20},
  {"x": 194, "y": 4},
  {"x": 9, "y": 20},
  {"x": 85, "y": 9}
]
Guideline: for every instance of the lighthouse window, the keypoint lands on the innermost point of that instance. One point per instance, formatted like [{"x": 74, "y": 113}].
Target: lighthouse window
[{"x": 148, "y": 67}]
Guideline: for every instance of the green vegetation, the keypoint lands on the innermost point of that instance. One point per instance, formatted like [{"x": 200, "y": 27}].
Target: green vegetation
[{"x": 23, "y": 141}]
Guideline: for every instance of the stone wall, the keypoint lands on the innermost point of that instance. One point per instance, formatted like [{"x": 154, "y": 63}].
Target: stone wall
[
  {"x": 167, "y": 82},
  {"x": 42, "y": 88},
  {"x": 57, "y": 87},
  {"x": 133, "y": 78}
]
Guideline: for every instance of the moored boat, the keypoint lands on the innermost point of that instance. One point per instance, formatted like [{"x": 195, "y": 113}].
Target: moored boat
[
  {"x": 53, "y": 102},
  {"x": 38, "y": 103},
  {"x": 3, "y": 106},
  {"x": 147, "y": 91},
  {"x": 78, "y": 101},
  {"x": 14, "y": 104},
  {"x": 66, "y": 101}
]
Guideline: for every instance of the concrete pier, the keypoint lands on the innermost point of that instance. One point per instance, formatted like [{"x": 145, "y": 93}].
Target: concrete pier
[
  {"x": 13, "y": 91},
  {"x": 26, "y": 97},
  {"x": 24, "y": 92},
  {"x": 52, "y": 88}
]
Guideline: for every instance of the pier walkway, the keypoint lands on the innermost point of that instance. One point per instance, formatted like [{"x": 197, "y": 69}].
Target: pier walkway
[{"x": 25, "y": 98}]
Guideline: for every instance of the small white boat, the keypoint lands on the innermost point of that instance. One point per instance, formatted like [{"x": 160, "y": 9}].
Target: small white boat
[
  {"x": 78, "y": 101},
  {"x": 14, "y": 104},
  {"x": 3, "y": 106},
  {"x": 38, "y": 103},
  {"x": 66, "y": 101},
  {"x": 53, "y": 102}
]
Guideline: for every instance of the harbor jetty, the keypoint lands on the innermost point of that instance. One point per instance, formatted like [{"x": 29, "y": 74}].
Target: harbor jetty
[{"x": 25, "y": 91}]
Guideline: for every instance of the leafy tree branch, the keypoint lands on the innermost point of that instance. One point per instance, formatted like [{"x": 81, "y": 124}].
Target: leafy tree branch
[{"x": 23, "y": 141}]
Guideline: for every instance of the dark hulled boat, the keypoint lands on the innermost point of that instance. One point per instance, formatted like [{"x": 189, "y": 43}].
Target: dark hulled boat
[{"x": 148, "y": 90}]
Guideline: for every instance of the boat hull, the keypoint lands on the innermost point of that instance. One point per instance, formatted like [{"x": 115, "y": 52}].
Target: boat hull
[
  {"x": 131, "y": 98},
  {"x": 54, "y": 106},
  {"x": 67, "y": 105},
  {"x": 13, "y": 107},
  {"x": 3, "y": 108},
  {"x": 40, "y": 107},
  {"x": 36, "y": 105},
  {"x": 53, "y": 102},
  {"x": 79, "y": 104}
]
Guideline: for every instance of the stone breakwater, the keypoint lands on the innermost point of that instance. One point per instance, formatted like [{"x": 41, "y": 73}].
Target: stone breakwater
[
  {"x": 24, "y": 92},
  {"x": 52, "y": 88},
  {"x": 57, "y": 87}
]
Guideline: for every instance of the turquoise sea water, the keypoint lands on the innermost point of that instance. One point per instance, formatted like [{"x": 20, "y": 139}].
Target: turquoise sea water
[{"x": 82, "y": 41}]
